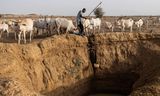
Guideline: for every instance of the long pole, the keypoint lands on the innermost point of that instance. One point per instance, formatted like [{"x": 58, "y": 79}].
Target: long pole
[
  {"x": 95, "y": 8},
  {"x": 93, "y": 11}
]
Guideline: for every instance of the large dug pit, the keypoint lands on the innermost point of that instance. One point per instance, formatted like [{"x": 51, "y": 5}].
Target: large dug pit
[{"x": 128, "y": 64}]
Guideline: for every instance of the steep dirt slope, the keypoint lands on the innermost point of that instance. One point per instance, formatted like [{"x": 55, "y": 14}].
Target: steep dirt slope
[
  {"x": 57, "y": 66},
  {"x": 128, "y": 62},
  {"x": 61, "y": 65}
]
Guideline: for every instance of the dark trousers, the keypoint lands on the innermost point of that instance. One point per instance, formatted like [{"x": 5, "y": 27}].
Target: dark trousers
[{"x": 81, "y": 28}]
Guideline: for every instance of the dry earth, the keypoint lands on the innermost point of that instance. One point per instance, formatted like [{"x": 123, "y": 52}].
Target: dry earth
[{"x": 63, "y": 65}]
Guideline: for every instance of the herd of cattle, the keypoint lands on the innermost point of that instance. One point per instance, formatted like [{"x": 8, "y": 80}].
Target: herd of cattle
[{"x": 50, "y": 26}]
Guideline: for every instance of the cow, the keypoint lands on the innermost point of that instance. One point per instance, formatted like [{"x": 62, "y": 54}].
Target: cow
[
  {"x": 63, "y": 23},
  {"x": 4, "y": 28},
  {"x": 110, "y": 26},
  {"x": 95, "y": 24},
  {"x": 139, "y": 24},
  {"x": 125, "y": 23},
  {"x": 87, "y": 25},
  {"x": 22, "y": 28}
]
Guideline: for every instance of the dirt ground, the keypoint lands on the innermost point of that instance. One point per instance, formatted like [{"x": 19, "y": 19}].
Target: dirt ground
[{"x": 63, "y": 65}]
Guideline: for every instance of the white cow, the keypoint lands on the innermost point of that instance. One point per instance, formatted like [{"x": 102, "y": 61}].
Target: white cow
[
  {"x": 87, "y": 25},
  {"x": 139, "y": 24},
  {"x": 110, "y": 26},
  {"x": 125, "y": 23},
  {"x": 63, "y": 23},
  {"x": 96, "y": 24},
  {"x": 4, "y": 28},
  {"x": 26, "y": 25}
]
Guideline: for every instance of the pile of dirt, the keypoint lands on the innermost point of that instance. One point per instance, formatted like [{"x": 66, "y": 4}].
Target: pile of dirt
[
  {"x": 57, "y": 66},
  {"x": 129, "y": 62}
]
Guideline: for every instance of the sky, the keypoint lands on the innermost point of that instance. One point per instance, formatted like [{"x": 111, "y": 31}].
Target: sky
[{"x": 71, "y": 7}]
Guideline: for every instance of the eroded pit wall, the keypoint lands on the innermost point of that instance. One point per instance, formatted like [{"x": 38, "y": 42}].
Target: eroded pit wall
[
  {"x": 61, "y": 65},
  {"x": 57, "y": 66},
  {"x": 128, "y": 62}
]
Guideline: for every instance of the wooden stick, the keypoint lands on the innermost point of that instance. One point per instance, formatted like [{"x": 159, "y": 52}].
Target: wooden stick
[
  {"x": 95, "y": 8},
  {"x": 93, "y": 11}
]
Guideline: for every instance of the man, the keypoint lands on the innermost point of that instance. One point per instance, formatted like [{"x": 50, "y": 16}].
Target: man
[{"x": 80, "y": 21}]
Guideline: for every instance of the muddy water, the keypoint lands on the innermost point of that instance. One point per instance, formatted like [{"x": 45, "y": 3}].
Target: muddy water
[{"x": 107, "y": 95}]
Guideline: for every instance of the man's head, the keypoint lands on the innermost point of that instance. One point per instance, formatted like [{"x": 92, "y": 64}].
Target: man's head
[{"x": 84, "y": 10}]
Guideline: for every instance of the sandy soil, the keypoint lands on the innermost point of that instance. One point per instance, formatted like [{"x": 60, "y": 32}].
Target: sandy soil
[{"x": 62, "y": 65}]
